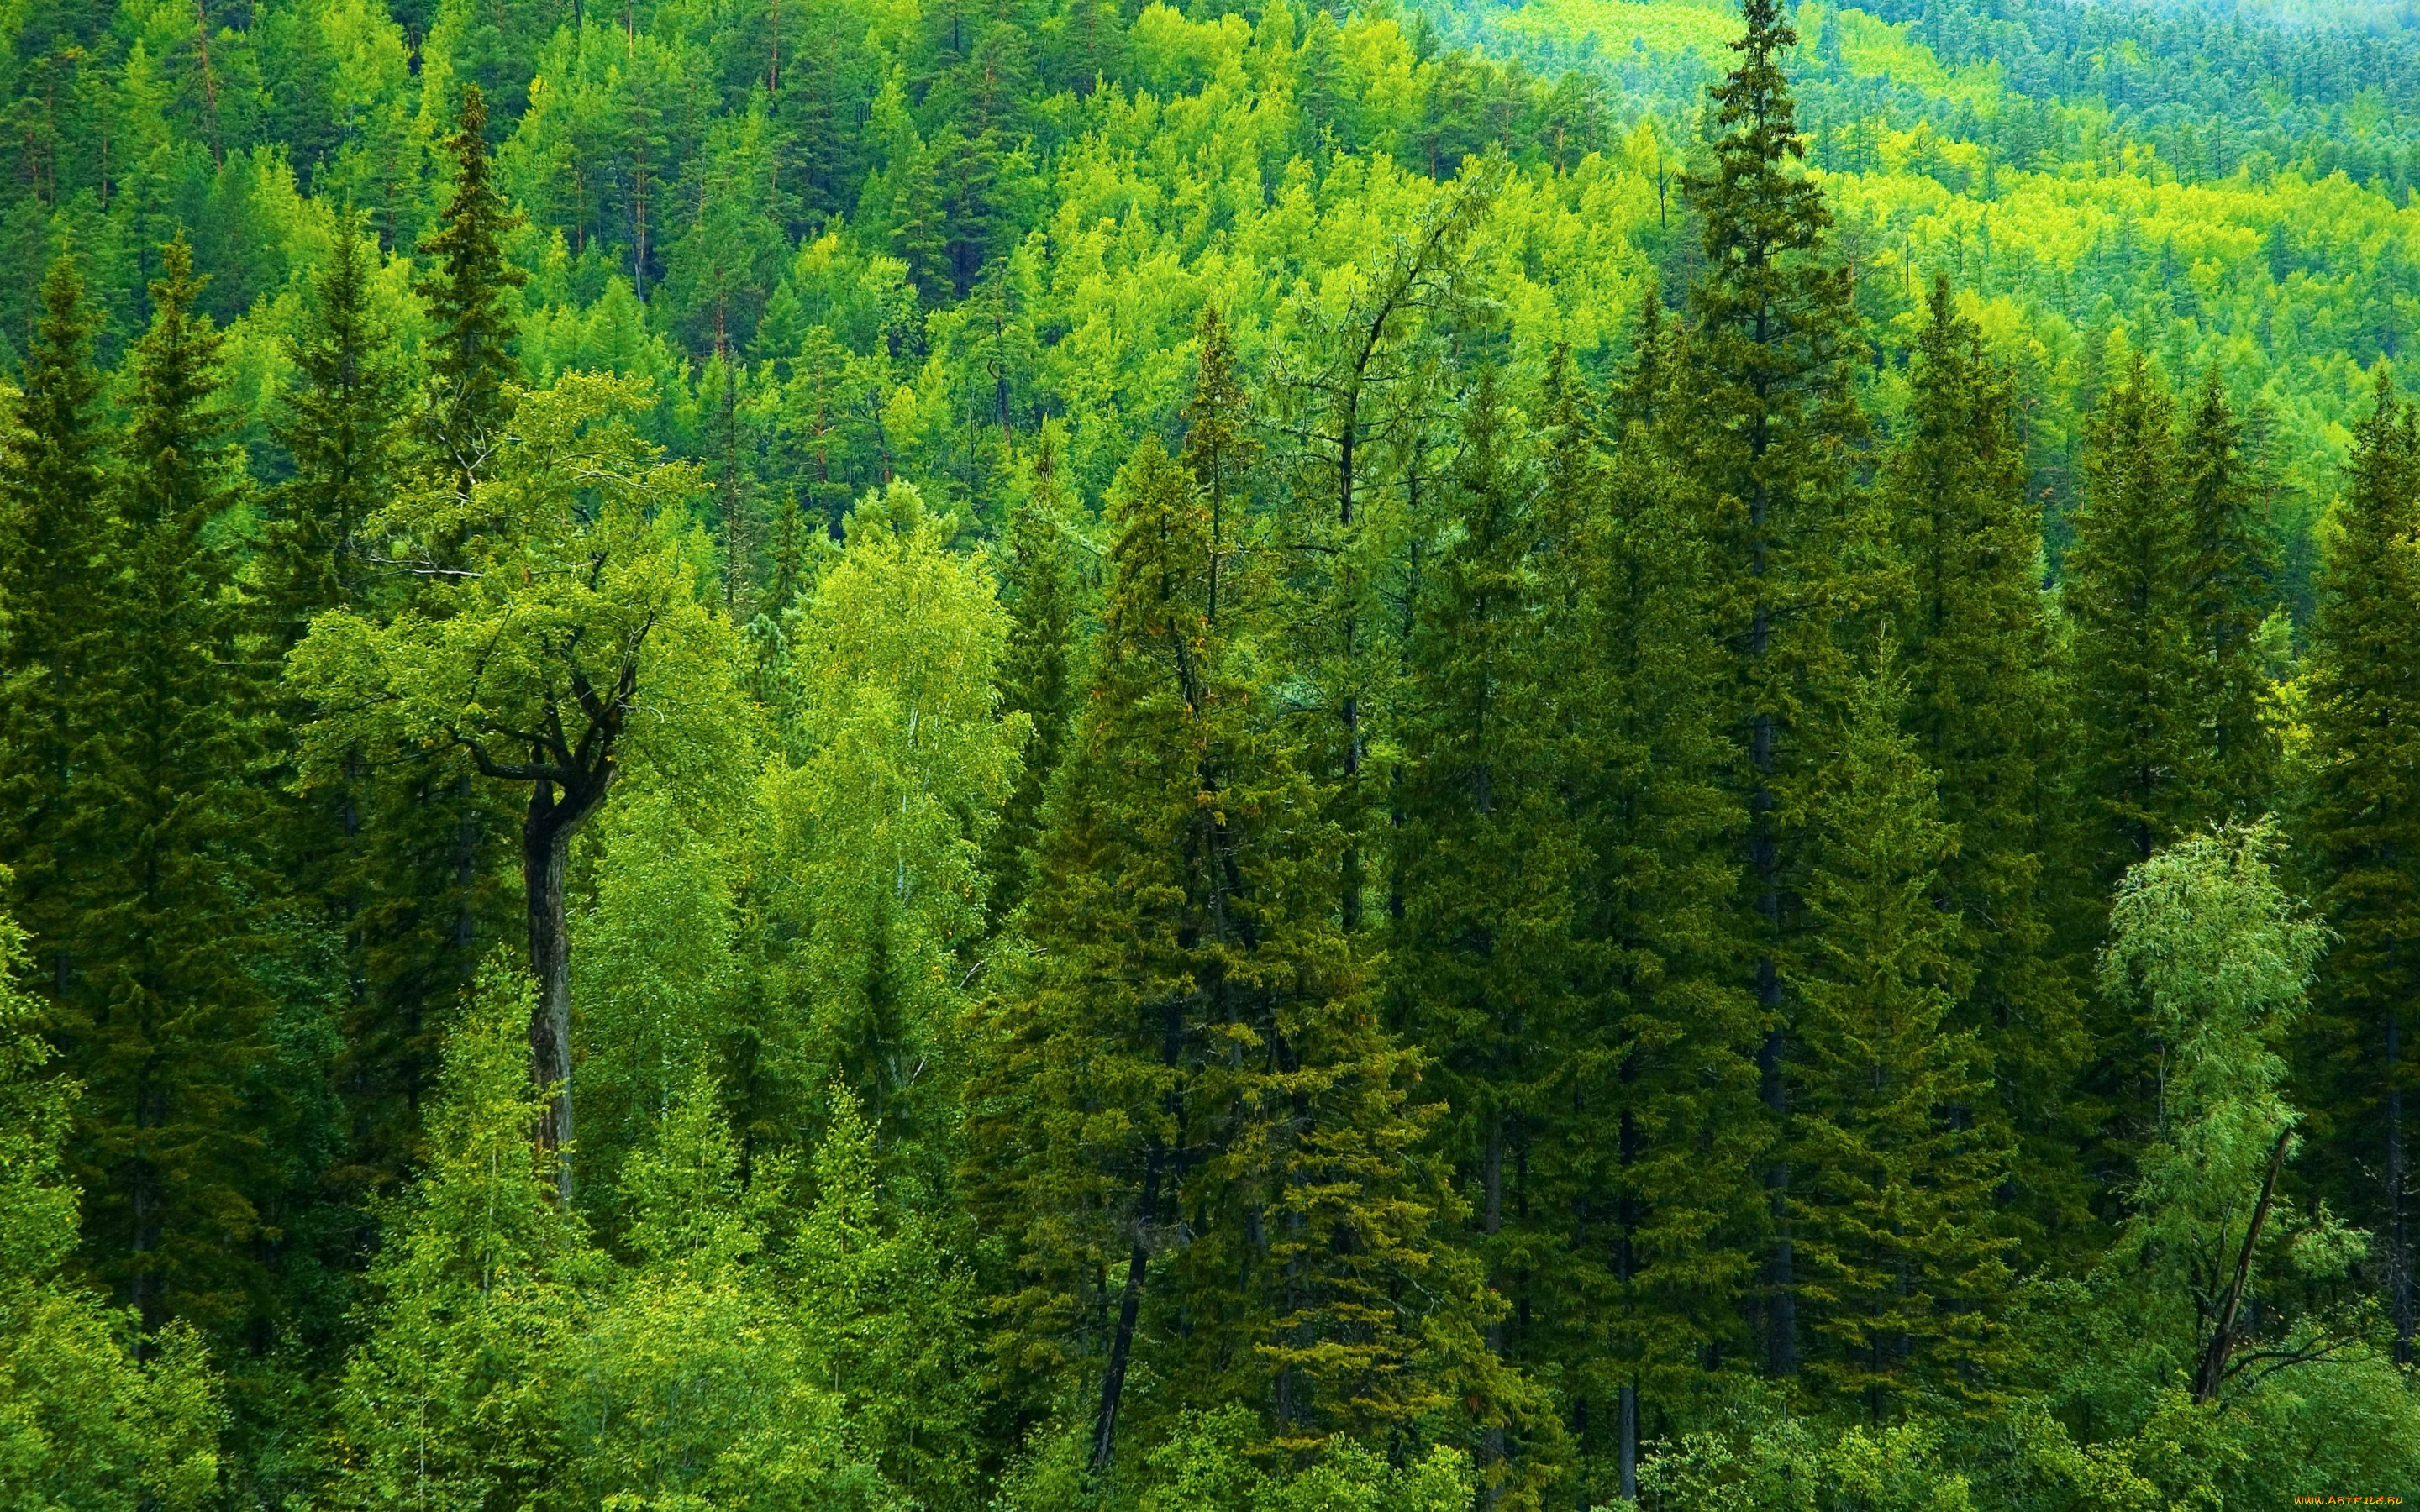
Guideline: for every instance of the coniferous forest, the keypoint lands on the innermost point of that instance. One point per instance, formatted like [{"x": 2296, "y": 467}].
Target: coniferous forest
[{"x": 1060, "y": 756}]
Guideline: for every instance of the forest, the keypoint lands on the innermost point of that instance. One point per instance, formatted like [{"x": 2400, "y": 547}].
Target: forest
[{"x": 1067, "y": 756}]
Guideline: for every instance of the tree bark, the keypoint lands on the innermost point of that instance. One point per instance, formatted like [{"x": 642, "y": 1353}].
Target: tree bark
[
  {"x": 1113, "y": 1381},
  {"x": 2222, "y": 1335},
  {"x": 546, "y": 850}
]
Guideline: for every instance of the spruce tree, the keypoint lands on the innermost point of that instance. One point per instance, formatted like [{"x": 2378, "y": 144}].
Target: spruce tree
[
  {"x": 1768, "y": 453},
  {"x": 1484, "y": 849},
  {"x": 341, "y": 421},
  {"x": 167, "y": 1021},
  {"x": 2128, "y": 596},
  {"x": 1192, "y": 1136},
  {"x": 2135, "y": 694},
  {"x": 2231, "y": 590},
  {"x": 437, "y": 898},
  {"x": 1892, "y": 1185},
  {"x": 1042, "y": 591},
  {"x": 59, "y": 546},
  {"x": 1976, "y": 648},
  {"x": 472, "y": 369},
  {"x": 1660, "y": 1081},
  {"x": 2363, "y": 820},
  {"x": 342, "y": 424}
]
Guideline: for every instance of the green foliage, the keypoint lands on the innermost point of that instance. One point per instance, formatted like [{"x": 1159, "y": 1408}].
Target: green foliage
[
  {"x": 170, "y": 1020},
  {"x": 482, "y": 1287},
  {"x": 1892, "y": 1178},
  {"x": 899, "y": 763},
  {"x": 2359, "y": 817},
  {"x": 89, "y": 1419},
  {"x": 1985, "y": 709},
  {"x": 2205, "y": 938},
  {"x": 1770, "y": 418},
  {"x": 471, "y": 363},
  {"x": 1381, "y": 956}
]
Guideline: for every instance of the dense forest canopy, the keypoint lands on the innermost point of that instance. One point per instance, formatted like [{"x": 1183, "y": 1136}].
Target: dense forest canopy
[{"x": 1055, "y": 754}]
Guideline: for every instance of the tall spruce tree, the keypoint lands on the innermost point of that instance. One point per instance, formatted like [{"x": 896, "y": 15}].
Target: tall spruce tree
[
  {"x": 1485, "y": 851},
  {"x": 2136, "y": 690},
  {"x": 1892, "y": 1202},
  {"x": 471, "y": 366},
  {"x": 1660, "y": 1079},
  {"x": 342, "y": 424},
  {"x": 2363, "y": 820},
  {"x": 1769, "y": 444},
  {"x": 1976, "y": 642},
  {"x": 2232, "y": 590},
  {"x": 60, "y": 544},
  {"x": 337, "y": 1127},
  {"x": 1192, "y": 1135},
  {"x": 167, "y": 1021},
  {"x": 439, "y": 900},
  {"x": 2129, "y": 596},
  {"x": 1043, "y": 592}
]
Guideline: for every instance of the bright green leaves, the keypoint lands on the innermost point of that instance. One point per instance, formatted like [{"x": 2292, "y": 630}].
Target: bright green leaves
[
  {"x": 875, "y": 823},
  {"x": 570, "y": 607}
]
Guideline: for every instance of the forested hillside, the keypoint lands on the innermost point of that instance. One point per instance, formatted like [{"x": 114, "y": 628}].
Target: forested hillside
[{"x": 866, "y": 754}]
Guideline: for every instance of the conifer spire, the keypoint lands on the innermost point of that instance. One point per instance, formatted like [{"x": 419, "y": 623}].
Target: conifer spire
[
  {"x": 1892, "y": 1190},
  {"x": 2363, "y": 694},
  {"x": 471, "y": 364}
]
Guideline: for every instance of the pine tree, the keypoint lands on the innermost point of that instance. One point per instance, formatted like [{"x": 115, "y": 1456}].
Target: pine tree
[
  {"x": 166, "y": 1020},
  {"x": 1040, "y": 587},
  {"x": 1891, "y": 1207},
  {"x": 2363, "y": 702},
  {"x": 2232, "y": 591},
  {"x": 1976, "y": 648},
  {"x": 1768, "y": 445},
  {"x": 471, "y": 366},
  {"x": 59, "y": 546}
]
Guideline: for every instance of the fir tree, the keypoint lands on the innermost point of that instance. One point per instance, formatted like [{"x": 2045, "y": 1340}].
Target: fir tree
[
  {"x": 2363, "y": 702},
  {"x": 438, "y": 901},
  {"x": 1892, "y": 1189},
  {"x": 1967, "y": 543},
  {"x": 1193, "y": 1137},
  {"x": 1768, "y": 453},
  {"x": 2232, "y": 593},
  {"x": 167, "y": 1022},
  {"x": 335, "y": 1120},
  {"x": 97, "y": 1418},
  {"x": 472, "y": 370},
  {"x": 2135, "y": 692}
]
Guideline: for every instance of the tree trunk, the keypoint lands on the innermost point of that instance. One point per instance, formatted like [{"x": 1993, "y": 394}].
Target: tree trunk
[
  {"x": 1629, "y": 1483},
  {"x": 2399, "y": 1308},
  {"x": 546, "y": 850},
  {"x": 2212, "y": 1374},
  {"x": 1113, "y": 1381}
]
